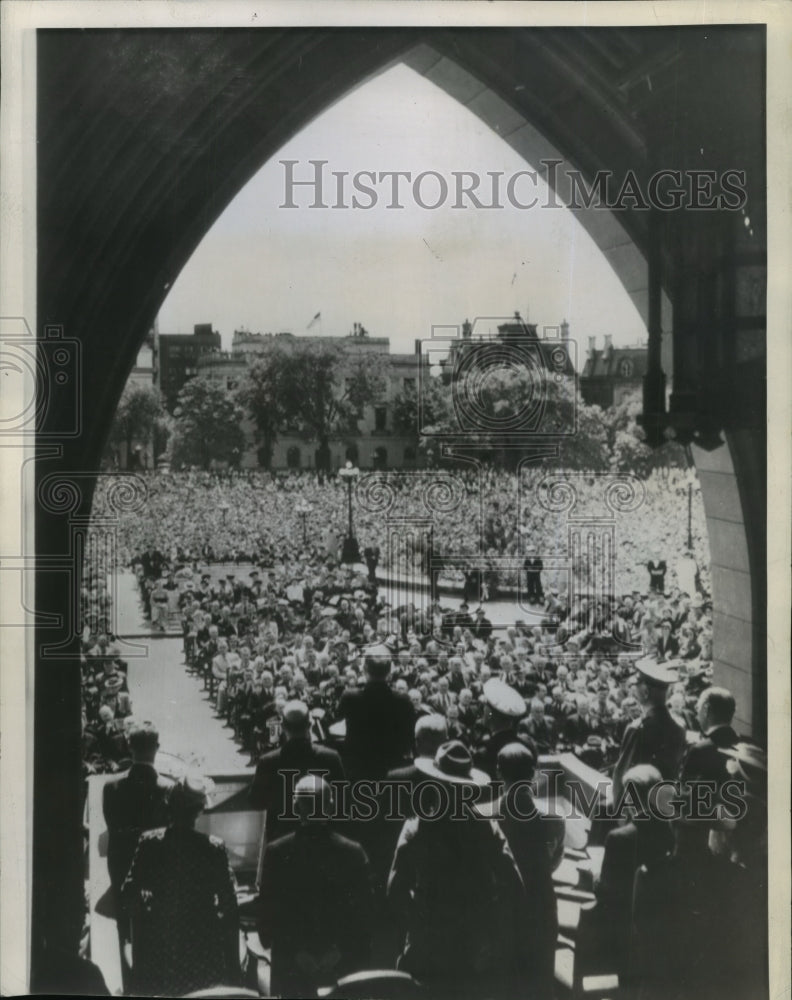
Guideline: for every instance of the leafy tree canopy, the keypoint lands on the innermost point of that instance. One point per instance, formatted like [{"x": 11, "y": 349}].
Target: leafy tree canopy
[
  {"x": 316, "y": 388},
  {"x": 207, "y": 425}
]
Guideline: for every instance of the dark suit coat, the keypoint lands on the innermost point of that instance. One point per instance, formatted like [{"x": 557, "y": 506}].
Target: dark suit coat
[
  {"x": 627, "y": 848},
  {"x": 577, "y": 729},
  {"x": 272, "y": 790},
  {"x": 530, "y": 840},
  {"x": 315, "y": 897},
  {"x": 459, "y": 904},
  {"x": 704, "y": 761},
  {"x": 133, "y": 803},
  {"x": 667, "y": 649},
  {"x": 655, "y": 739},
  {"x": 482, "y": 628},
  {"x": 409, "y": 774},
  {"x": 181, "y": 897},
  {"x": 379, "y": 729},
  {"x": 699, "y": 930},
  {"x": 486, "y": 756}
]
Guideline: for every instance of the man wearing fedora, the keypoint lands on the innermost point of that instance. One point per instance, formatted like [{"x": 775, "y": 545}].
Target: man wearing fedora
[
  {"x": 455, "y": 890},
  {"x": 656, "y": 738},
  {"x": 115, "y": 698}
]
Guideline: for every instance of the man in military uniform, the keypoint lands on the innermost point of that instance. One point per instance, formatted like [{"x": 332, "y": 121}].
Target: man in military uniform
[
  {"x": 136, "y": 802},
  {"x": 656, "y": 738},
  {"x": 503, "y": 709}
]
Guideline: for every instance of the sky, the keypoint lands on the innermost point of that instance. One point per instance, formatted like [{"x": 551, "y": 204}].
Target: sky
[{"x": 400, "y": 272}]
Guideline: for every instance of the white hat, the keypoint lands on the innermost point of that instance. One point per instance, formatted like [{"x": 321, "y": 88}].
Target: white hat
[
  {"x": 659, "y": 673},
  {"x": 504, "y": 699}
]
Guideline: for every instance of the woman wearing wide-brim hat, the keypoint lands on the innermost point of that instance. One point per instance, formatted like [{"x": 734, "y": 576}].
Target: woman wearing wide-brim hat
[{"x": 455, "y": 889}]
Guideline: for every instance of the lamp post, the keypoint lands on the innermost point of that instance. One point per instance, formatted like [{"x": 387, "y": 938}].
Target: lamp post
[
  {"x": 350, "y": 552},
  {"x": 304, "y": 509}
]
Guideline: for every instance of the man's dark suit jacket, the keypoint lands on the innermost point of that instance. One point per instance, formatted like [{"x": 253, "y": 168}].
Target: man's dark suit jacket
[
  {"x": 380, "y": 725},
  {"x": 627, "y": 848},
  {"x": 314, "y": 905},
  {"x": 272, "y": 790},
  {"x": 704, "y": 761},
  {"x": 577, "y": 729},
  {"x": 655, "y": 739},
  {"x": 666, "y": 649},
  {"x": 133, "y": 803}
]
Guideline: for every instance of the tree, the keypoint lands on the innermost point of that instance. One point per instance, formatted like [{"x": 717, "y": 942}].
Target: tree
[
  {"x": 435, "y": 405},
  {"x": 207, "y": 425},
  {"x": 139, "y": 411},
  {"x": 501, "y": 410},
  {"x": 627, "y": 450},
  {"x": 261, "y": 394},
  {"x": 319, "y": 388}
]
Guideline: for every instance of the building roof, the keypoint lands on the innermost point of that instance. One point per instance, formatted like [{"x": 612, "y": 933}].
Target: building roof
[{"x": 611, "y": 363}]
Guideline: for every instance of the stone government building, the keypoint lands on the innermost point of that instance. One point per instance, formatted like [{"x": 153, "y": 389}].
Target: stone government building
[{"x": 379, "y": 443}]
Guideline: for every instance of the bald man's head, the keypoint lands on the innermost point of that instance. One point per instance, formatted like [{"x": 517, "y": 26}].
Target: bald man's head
[
  {"x": 378, "y": 662},
  {"x": 313, "y": 799},
  {"x": 296, "y": 719}
]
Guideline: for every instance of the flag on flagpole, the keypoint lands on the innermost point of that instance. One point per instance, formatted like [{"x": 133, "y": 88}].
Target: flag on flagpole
[{"x": 316, "y": 317}]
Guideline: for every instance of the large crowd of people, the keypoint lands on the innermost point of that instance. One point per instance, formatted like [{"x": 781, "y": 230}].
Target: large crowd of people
[
  {"x": 313, "y": 669},
  {"x": 292, "y": 626},
  {"x": 252, "y": 516}
]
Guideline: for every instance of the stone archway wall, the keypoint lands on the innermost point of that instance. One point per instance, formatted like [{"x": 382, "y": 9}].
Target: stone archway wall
[
  {"x": 616, "y": 245},
  {"x": 739, "y": 656}
]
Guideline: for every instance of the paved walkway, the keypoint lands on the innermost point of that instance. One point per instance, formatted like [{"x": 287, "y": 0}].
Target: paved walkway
[
  {"x": 174, "y": 700},
  {"x": 163, "y": 692}
]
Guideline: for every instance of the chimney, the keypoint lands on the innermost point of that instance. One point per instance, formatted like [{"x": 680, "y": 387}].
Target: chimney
[
  {"x": 467, "y": 329},
  {"x": 592, "y": 345},
  {"x": 608, "y": 351},
  {"x": 564, "y": 330}
]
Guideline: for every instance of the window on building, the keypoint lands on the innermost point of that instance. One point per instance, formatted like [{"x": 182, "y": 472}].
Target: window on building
[
  {"x": 351, "y": 454},
  {"x": 381, "y": 458},
  {"x": 409, "y": 455},
  {"x": 380, "y": 418},
  {"x": 293, "y": 457},
  {"x": 409, "y": 385}
]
